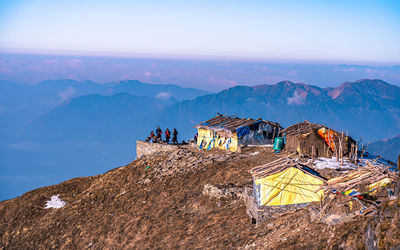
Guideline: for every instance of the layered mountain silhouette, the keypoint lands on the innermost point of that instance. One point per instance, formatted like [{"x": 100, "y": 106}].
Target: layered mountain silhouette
[
  {"x": 367, "y": 109},
  {"x": 386, "y": 148},
  {"x": 91, "y": 122},
  {"x": 118, "y": 118},
  {"x": 21, "y": 105}
]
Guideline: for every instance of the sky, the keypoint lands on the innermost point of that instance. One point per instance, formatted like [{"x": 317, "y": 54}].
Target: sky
[{"x": 338, "y": 31}]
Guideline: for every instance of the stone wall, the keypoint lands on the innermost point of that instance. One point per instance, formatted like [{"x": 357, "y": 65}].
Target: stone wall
[
  {"x": 260, "y": 214},
  {"x": 147, "y": 148}
]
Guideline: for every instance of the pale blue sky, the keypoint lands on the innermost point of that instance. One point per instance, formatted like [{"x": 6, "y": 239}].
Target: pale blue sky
[{"x": 341, "y": 31}]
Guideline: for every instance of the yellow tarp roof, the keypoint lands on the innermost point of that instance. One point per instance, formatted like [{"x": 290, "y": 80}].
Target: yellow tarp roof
[{"x": 288, "y": 187}]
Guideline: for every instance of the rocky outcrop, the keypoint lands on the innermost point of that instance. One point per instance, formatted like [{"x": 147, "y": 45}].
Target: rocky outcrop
[
  {"x": 223, "y": 191},
  {"x": 146, "y": 148}
]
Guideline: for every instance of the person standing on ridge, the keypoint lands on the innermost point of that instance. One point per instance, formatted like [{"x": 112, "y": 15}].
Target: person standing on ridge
[
  {"x": 158, "y": 133},
  {"x": 152, "y": 137},
  {"x": 167, "y": 135},
  {"x": 175, "y": 137}
]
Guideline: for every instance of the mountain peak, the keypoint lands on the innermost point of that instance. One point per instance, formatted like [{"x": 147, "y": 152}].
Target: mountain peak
[
  {"x": 357, "y": 87},
  {"x": 289, "y": 83}
]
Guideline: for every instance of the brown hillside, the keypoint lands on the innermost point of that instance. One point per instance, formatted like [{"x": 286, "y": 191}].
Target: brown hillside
[{"x": 158, "y": 201}]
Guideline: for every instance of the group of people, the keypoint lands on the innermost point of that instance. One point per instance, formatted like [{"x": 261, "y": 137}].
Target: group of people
[{"x": 156, "y": 137}]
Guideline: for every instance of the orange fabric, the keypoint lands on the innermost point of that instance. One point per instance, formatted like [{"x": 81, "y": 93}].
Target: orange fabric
[{"x": 328, "y": 137}]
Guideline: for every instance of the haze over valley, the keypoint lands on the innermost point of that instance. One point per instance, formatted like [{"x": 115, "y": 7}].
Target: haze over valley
[{"x": 60, "y": 129}]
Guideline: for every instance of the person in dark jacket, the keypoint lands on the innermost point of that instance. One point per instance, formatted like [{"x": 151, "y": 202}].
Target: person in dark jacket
[
  {"x": 167, "y": 135},
  {"x": 158, "y": 133},
  {"x": 175, "y": 137},
  {"x": 152, "y": 137}
]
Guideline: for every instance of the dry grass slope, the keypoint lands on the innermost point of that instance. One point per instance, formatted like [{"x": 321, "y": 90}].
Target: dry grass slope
[{"x": 157, "y": 201}]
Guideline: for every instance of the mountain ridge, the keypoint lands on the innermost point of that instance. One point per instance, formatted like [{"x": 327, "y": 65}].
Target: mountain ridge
[
  {"x": 287, "y": 103},
  {"x": 353, "y": 105},
  {"x": 98, "y": 122},
  {"x": 164, "y": 200},
  {"x": 388, "y": 148}
]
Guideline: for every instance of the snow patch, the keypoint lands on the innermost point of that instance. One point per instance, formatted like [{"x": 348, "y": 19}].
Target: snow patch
[
  {"x": 254, "y": 153},
  {"x": 163, "y": 95},
  {"x": 375, "y": 160},
  {"x": 332, "y": 163},
  {"x": 55, "y": 202},
  {"x": 296, "y": 99}
]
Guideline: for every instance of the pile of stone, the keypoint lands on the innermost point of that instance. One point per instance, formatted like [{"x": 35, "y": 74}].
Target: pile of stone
[{"x": 182, "y": 160}]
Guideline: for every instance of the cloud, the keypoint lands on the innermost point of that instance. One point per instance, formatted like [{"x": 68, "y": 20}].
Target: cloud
[
  {"x": 163, "y": 95},
  {"x": 293, "y": 72},
  {"x": 222, "y": 81},
  {"x": 66, "y": 94},
  {"x": 370, "y": 71},
  {"x": 296, "y": 99},
  {"x": 147, "y": 73},
  {"x": 128, "y": 76},
  {"x": 346, "y": 69},
  {"x": 50, "y": 61},
  {"x": 74, "y": 62}
]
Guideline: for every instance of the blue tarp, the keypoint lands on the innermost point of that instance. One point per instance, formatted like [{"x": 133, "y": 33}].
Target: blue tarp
[{"x": 241, "y": 131}]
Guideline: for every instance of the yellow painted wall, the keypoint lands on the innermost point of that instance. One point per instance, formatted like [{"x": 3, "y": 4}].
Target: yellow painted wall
[{"x": 212, "y": 137}]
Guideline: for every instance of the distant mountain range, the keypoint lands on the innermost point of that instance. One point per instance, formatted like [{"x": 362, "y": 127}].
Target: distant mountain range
[
  {"x": 60, "y": 129},
  {"x": 117, "y": 118},
  {"x": 21, "y": 105},
  {"x": 387, "y": 148},
  {"x": 367, "y": 109},
  {"x": 96, "y": 125}
]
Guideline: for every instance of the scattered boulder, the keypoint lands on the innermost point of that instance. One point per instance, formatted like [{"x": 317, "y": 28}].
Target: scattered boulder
[{"x": 221, "y": 191}]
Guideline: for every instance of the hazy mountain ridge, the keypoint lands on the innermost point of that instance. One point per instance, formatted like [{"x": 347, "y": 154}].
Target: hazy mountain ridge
[
  {"x": 110, "y": 124},
  {"x": 23, "y": 104},
  {"x": 356, "y": 108},
  {"x": 365, "y": 108},
  {"x": 387, "y": 148},
  {"x": 96, "y": 117}
]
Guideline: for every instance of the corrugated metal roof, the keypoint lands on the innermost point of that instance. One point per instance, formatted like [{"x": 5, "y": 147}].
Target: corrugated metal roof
[
  {"x": 301, "y": 128},
  {"x": 231, "y": 123}
]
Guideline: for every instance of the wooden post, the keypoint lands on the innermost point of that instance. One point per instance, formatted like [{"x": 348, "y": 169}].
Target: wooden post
[
  {"x": 312, "y": 153},
  {"x": 273, "y": 136},
  {"x": 299, "y": 148},
  {"x": 398, "y": 163},
  {"x": 327, "y": 151},
  {"x": 355, "y": 159},
  {"x": 335, "y": 146},
  {"x": 362, "y": 151},
  {"x": 341, "y": 149},
  {"x": 351, "y": 153},
  {"x": 341, "y": 155}
]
